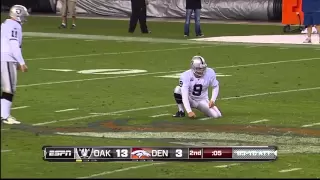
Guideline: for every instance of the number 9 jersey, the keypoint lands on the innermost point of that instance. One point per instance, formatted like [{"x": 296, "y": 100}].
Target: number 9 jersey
[{"x": 198, "y": 86}]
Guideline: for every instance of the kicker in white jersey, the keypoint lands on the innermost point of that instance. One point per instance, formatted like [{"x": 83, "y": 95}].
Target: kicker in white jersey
[
  {"x": 192, "y": 91},
  {"x": 11, "y": 59}
]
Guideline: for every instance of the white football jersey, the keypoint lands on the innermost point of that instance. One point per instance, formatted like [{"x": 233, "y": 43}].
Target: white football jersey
[
  {"x": 198, "y": 87},
  {"x": 11, "y": 41}
]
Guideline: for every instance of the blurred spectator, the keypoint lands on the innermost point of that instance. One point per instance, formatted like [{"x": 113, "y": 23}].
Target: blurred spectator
[
  {"x": 139, "y": 12},
  {"x": 68, "y": 6},
  {"x": 193, "y": 6}
]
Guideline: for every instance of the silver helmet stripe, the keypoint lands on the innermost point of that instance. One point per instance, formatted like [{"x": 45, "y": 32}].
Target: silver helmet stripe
[{"x": 201, "y": 59}]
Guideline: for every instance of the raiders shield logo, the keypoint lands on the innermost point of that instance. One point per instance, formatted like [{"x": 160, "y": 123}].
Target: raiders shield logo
[{"x": 84, "y": 153}]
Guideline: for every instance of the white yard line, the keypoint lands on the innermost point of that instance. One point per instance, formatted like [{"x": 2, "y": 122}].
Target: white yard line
[
  {"x": 118, "y": 53},
  {"x": 227, "y": 165},
  {"x": 262, "y": 120},
  {"x": 120, "y": 170},
  {"x": 154, "y": 73},
  {"x": 20, "y": 107},
  {"x": 105, "y": 113},
  {"x": 93, "y": 79},
  {"x": 268, "y": 63},
  {"x": 158, "y": 40},
  {"x": 50, "y": 39},
  {"x": 89, "y": 40},
  {"x": 61, "y": 70},
  {"x": 310, "y": 125},
  {"x": 168, "y": 105},
  {"x": 271, "y": 93},
  {"x": 160, "y": 115},
  {"x": 4, "y": 129},
  {"x": 289, "y": 170},
  {"x": 65, "y": 110},
  {"x": 5, "y": 151},
  {"x": 206, "y": 118}
]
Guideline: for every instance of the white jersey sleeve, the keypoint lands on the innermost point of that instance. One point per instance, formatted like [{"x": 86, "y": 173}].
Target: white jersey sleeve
[
  {"x": 214, "y": 83},
  {"x": 213, "y": 78},
  {"x": 11, "y": 40},
  {"x": 184, "y": 83}
]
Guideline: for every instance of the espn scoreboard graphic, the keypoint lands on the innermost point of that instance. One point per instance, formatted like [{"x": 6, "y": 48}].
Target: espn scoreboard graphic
[{"x": 121, "y": 153}]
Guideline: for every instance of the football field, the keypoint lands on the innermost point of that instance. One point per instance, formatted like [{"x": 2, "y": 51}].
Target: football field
[{"x": 97, "y": 85}]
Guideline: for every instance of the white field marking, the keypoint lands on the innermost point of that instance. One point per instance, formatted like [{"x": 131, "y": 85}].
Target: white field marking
[
  {"x": 268, "y": 63},
  {"x": 271, "y": 93},
  {"x": 89, "y": 40},
  {"x": 52, "y": 39},
  {"x": 91, "y": 79},
  {"x": 104, "y": 113},
  {"x": 120, "y": 170},
  {"x": 5, "y": 151},
  {"x": 160, "y": 115},
  {"x": 4, "y": 129},
  {"x": 20, "y": 107},
  {"x": 283, "y": 48},
  {"x": 206, "y": 118},
  {"x": 66, "y": 110},
  {"x": 168, "y": 105},
  {"x": 134, "y": 75},
  {"x": 213, "y": 137},
  {"x": 289, "y": 170},
  {"x": 118, "y": 53},
  {"x": 177, "y": 75},
  {"x": 184, "y": 44},
  {"x": 227, "y": 165},
  {"x": 262, "y": 120},
  {"x": 153, "y": 43},
  {"x": 59, "y": 70},
  {"x": 160, "y": 40},
  {"x": 112, "y": 71},
  {"x": 251, "y": 46},
  {"x": 310, "y": 125}
]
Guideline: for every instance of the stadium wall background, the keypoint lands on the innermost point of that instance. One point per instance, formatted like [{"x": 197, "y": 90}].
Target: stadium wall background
[{"x": 260, "y": 10}]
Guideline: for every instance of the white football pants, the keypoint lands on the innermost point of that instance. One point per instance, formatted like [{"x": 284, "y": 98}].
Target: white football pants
[
  {"x": 8, "y": 77},
  {"x": 202, "y": 105}
]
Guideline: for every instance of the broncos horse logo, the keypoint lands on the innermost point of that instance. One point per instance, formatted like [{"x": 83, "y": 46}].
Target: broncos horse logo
[{"x": 141, "y": 153}]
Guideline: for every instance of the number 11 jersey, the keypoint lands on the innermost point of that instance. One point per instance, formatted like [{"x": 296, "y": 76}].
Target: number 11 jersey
[{"x": 11, "y": 40}]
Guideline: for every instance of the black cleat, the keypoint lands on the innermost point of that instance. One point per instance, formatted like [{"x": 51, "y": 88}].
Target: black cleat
[
  {"x": 62, "y": 26},
  {"x": 200, "y": 35},
  {"x": 179, "y": 114},
  {"x": 73, "y": 26},
  {"x": 146, "y": 32}
]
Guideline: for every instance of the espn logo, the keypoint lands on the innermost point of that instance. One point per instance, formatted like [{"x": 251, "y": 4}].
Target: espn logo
[{"x": 59, "y": 153}]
